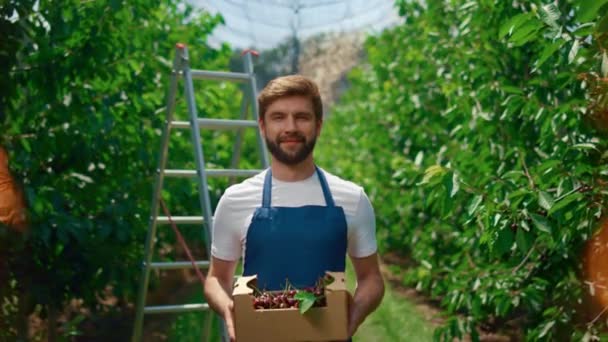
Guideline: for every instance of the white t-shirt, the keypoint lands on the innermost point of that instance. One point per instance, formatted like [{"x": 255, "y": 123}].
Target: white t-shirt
[{"x": 236, "y": 207}]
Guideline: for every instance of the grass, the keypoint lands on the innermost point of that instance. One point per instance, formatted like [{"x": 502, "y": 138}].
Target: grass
[
  {"x": 189, "y": 327},
  {"x": 396, "y": 319}
]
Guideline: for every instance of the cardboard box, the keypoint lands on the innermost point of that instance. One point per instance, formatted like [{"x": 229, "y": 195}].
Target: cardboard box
[{"x": 328, "y": 323}]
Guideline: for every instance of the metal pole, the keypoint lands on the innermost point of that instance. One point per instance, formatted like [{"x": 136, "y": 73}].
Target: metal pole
[
  {"x": 236, "y": 149},
  {"x": 253, "y": 88},
  {"x": 158, "y": 182},
  {"x": 203, "y": 187}
]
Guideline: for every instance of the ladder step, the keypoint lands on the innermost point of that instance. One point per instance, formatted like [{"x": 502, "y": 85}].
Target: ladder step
[
  {"x": 212, "y": 173},
  {"x": 161, "y": 309},
  {"x": 216, "y": 124},
  {"x": 219, "y": 75},
  {"x": 176, "y": 265},
  {"x": 180, "y": 219}
]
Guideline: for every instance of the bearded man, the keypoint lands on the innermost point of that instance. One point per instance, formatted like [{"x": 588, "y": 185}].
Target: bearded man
[{"x": 294, "y": 220}]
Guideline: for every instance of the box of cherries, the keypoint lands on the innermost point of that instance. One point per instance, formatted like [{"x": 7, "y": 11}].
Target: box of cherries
[{"x": 317, "y": 313}]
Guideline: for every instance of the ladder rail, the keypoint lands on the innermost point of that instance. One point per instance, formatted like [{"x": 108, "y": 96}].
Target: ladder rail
[
  {"x": 177, "y": 265},
  {"x": 216, "y": 124},
  {"x": 163, "y": 309},
  {"x": 212, "y": 173},
  {"x": 255, "y": 109},
  {"x": 203, "y": 186},
  {"x": 218, "y": 75},
  {"x": 158, "y": 182},
  {"x": 198, "y": 153},
  {"x": 236, "y": 148}
]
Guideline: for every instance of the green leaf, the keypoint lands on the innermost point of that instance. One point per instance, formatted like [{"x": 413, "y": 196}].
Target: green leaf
[
  {"x": 541, "y": 223},
  {"x": 476, "y": 306},
  {"x": 523, "y": 240},
  {"x": 474, "y": 204},
  {"x": 455, "y": 184},
  {"x": 548, "y": 51},
  {"x": 573, "y": 51},
  {"x": 545, "y": 200},
  {"x": 526, "y": 32},
  {"x": 432, "y": 173},
  {"x": 546, "y": 329},
  {"x": 26, "y": 145},
  {"x": 584, "y": 30},
  {"x": 588, "y": 9},
  {"x": 504, "y": 241},
  {"x": 513, "y": 23},
  {"x": 585, "y": 146},
  {"x": 549, "y": 14},
  {"x": 511, "y": 89},
  {"x": 503, "y": 306},
  {"x": 563, "y": 202},
  {"x": 497, "y": 218},
  {"x": 306, "y": 299}
]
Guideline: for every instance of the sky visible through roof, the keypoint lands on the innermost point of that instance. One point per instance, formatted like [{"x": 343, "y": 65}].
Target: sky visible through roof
[{"x": 263, "y": 24}]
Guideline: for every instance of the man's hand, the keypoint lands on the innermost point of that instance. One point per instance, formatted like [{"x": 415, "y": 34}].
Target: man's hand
[
  {"x": 228, "y": 316},
  {"x": 218, "y": 291}
]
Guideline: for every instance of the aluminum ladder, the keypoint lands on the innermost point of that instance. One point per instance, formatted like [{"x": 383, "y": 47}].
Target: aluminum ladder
[{"x": 181, "y": 69}]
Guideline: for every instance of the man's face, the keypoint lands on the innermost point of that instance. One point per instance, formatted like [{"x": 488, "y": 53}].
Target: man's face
[{"x": 290, "y": 129}]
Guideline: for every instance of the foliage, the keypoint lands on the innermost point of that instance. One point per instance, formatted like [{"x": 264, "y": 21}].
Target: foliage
[
  {"x": 84, "y": 88},
  {"x": 477, "y": 129}
]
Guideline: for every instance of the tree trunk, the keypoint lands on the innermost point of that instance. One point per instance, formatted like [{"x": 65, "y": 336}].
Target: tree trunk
[
  {"x": 52, "y": 324},
  {"x": 12, "y": 204},
  {"x": 22, "y": 317}
]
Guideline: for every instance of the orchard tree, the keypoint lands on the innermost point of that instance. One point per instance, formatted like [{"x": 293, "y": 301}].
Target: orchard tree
[
  {"x": 83, "y": 93},
  {"x": 477, "y": 129}
]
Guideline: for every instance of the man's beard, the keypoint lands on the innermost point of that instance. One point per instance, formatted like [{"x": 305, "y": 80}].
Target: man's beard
[{"x": 291, "y": 158}]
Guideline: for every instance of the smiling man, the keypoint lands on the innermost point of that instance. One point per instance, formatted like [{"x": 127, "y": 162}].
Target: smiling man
[{"x": 294, "y": 220}]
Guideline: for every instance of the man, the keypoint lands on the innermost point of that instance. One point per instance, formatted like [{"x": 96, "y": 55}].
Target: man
[{"x": 293, "y": 221}]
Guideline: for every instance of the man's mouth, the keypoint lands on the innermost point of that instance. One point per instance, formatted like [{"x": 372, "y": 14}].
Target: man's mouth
[{"x": 291, "y": 140}]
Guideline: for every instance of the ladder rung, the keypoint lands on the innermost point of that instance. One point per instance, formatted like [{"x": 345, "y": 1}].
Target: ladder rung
[
  {"x": 216, "y": 124},
  {"x": 219, "y": 75},
  {"x": 176, "y": 265},
  {"x": 176, "y": 308},
  {"x": 180, "y": 219},
  {"x": 213, "y": 173}
]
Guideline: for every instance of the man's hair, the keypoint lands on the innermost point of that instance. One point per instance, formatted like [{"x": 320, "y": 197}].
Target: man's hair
[{"x": 292, "y": 85}]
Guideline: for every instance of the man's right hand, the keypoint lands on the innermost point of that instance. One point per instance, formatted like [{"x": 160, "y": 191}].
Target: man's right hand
[
  {"x": 218, "y": 291},
  {"x": 229, "y": 321}
]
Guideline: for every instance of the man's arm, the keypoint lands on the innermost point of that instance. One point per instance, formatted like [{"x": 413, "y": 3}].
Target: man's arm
[
  {"x": 218, "y": 290},
  {"x": 369, "y": 290}
]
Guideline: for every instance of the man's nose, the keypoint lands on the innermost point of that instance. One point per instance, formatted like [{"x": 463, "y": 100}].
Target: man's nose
[{"x": 290, "y": 124}]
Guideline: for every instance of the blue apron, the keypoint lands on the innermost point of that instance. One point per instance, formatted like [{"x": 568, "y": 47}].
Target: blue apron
[{"x": 297, "y": 244}]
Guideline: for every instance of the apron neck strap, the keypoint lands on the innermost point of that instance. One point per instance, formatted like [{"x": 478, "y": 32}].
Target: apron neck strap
[
  {"x": 329, "y": 200},
  {"x": 267, "y": 188},
  {"x": 267, "y": 194}
]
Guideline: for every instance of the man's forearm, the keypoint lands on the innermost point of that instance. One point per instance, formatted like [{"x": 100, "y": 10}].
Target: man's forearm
[
  {"x": 368, "y": 295},
  {"x": 217, "y": 295}
]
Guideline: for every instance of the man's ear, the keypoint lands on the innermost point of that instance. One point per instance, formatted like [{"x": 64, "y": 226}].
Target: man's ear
[
  {"x": 262, "y": 126},
  {"x": 319, "y": 126}
]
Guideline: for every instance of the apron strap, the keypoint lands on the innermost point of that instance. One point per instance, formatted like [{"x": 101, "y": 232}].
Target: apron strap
[
  {"x": 329, "y": 200},
  {"x": 266, "y": 195}
]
